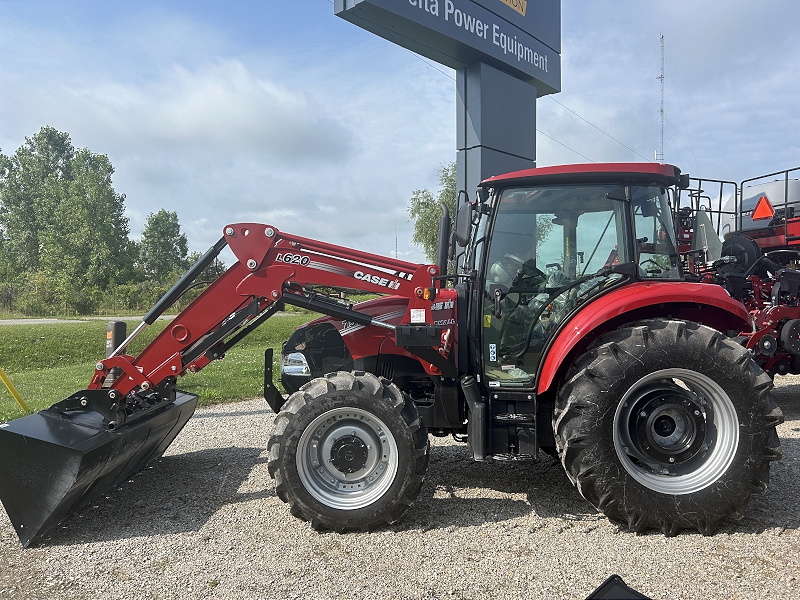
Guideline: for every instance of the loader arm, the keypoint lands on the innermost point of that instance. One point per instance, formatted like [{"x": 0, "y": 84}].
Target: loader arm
[{"x": 272, "y": 267}]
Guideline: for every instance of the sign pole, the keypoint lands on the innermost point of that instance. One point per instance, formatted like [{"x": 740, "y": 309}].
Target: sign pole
[{"x": 506, "y": 54}]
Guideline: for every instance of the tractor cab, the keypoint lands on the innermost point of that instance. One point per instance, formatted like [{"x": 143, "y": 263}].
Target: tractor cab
[{"x": 546, "y": 245}]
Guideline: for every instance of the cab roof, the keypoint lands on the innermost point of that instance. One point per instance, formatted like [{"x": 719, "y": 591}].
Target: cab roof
[{"x": 583, "y": 172}]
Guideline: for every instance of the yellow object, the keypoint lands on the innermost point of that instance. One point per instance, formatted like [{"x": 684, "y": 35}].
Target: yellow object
[
  {"x": 521, "y": 6},
  {"x": 14, "y": 391}
]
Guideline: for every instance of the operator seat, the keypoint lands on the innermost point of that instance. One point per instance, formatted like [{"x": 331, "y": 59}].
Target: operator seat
[{"x": 705, "y": 237}]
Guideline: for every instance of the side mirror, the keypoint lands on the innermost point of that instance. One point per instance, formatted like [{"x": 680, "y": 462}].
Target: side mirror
[
  {"x": 463, "y": 224},
  {"x": 649, "y": 209},
  {"x": 442, "y": 249}
]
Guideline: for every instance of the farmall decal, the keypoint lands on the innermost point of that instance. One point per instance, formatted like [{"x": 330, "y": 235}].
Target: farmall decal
[
  {"x": 447, "y": 305},
  {"x": 521, "y": 6}
]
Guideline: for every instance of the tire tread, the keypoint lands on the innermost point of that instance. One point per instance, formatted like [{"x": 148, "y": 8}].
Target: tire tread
[
  {"x": 574, "y": 420},
  {"x": 382, "y": 391}
]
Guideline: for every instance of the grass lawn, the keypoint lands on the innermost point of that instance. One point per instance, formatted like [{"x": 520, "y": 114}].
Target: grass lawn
[{"x": 47, "y": 363}]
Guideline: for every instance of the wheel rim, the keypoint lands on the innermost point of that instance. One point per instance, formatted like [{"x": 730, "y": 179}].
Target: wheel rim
[
  {"x": 347, "y": 458},
  {"x": 676, "y": 431}
]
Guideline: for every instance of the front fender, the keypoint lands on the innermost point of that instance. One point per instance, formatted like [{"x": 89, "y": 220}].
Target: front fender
[{"x": 664, "y": 298}]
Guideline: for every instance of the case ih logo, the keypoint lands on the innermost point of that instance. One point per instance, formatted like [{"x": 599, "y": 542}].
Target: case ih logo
[
  {"x": 377, "y": 280},
  {"x": 521, "y": 6}
]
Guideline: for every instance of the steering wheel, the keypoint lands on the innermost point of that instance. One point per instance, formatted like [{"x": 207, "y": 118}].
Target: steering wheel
[
  {"x": 658, "y": 268},
  {"x": 545, "y": 305},
  {"x": 527, "y": 270}
]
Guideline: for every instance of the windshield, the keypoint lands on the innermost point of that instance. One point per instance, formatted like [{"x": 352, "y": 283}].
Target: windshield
[{"x": 553, "y": 248}]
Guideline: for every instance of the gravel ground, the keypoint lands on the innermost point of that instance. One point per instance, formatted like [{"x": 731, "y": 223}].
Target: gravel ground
[{"x": 204, "y": 522}]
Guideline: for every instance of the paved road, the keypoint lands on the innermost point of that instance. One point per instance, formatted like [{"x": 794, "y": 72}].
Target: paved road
[{"x": 36, "y": 321}]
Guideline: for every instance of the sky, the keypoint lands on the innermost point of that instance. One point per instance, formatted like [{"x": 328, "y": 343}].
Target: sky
[{"x": 279, "y": 112}]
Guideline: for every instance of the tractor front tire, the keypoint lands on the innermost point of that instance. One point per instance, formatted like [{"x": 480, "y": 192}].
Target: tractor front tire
[
  {"x": 667, "y": 425},
  {"x": 349, "y": 452}
]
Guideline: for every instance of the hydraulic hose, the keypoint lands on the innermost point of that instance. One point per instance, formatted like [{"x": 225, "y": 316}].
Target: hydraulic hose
[
  {"x": 174, "y": 293},
  {"x": 184, "y": 282}
]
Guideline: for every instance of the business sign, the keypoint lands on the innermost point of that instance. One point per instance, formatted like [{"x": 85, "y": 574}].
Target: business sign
[{"x": 520, "y": 37}]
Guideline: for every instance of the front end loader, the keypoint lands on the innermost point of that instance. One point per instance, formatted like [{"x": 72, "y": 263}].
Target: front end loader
[{"x": 60, "y": 459}]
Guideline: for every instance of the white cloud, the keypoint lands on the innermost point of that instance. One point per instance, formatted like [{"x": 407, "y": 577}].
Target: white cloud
[
  {"x": 323, "y": 144},
  {"x": 216, "y": 110},
  {"x": 325, "y": 131}
]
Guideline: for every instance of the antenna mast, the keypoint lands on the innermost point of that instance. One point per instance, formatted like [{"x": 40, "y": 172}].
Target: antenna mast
[{"x": 660, "y": 153}]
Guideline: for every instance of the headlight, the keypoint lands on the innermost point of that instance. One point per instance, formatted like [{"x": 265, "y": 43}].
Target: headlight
[{"x": 294, "y": 363}]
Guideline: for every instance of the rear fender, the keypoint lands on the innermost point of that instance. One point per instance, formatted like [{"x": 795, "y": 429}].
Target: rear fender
[{"x": 704, "y": 303}]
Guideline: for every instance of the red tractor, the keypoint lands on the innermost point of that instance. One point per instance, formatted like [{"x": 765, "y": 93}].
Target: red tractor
[{"x": 590, "y": 316}]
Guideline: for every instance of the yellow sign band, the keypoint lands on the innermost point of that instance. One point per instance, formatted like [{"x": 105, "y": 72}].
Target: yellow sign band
[{"x": 521, "y": 6}]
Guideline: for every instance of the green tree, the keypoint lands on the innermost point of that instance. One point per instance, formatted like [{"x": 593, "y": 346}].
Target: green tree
[
  {"x": 60, "y": 215},
  {"x": 33, "y": 185},
  {"x": 88, "y": 243},
  {"x": 5, "y": 258},
  {"x": 424, "y": 209},
  {"x": 6, "y": 266},
  {"x": 163, "y": 248},
  {"x": 63, "y": 232}
]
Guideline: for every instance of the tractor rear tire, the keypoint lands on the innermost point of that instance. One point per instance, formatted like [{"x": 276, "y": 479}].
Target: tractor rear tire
[
  {"x": 667, "y": 425},
  {"x": 349, "y": 452}
]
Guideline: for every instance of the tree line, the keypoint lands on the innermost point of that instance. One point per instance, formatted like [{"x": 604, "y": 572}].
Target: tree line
[{"x": 65, "y": 245}]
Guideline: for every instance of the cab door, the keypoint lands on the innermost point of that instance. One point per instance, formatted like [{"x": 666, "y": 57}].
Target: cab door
[{"x": 545, "y": 250}]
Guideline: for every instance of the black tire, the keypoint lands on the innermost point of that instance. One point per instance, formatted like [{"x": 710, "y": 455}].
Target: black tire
[
  {"x": 349, "y": 452},
  {"x": 660, "y": 390}
]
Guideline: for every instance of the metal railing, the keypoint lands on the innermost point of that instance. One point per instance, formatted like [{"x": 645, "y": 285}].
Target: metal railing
[
  {"x": 714, "y": 196},
  {"x": 788, "y": 208}
]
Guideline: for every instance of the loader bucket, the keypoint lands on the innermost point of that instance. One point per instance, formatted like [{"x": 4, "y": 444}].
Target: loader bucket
[{"x": 52, "y": 464}]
